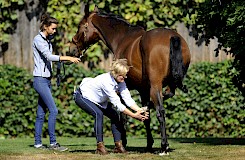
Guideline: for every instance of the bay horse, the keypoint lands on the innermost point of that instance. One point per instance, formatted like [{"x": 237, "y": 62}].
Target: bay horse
[{"x": 159, "y": 58}]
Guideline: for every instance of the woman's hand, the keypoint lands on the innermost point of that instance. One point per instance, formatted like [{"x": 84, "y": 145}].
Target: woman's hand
[
  {"x": 137, "y": 115},
  {"x": 75, "y": 59},
  {"x": 141, "y": 115},
  {"x": 144, "y": 111}
]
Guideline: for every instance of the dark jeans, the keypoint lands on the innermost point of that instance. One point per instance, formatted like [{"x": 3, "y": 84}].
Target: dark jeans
[
  {"x": 98, "y": 112},
  {"x": 45, "y": 102}
]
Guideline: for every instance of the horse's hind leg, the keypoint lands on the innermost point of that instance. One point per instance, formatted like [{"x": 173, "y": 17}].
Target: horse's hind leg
[{"x": 157, "y": 99}]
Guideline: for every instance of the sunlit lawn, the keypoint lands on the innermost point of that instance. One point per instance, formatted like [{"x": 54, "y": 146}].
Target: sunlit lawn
[{"x": 83, "y": 148}]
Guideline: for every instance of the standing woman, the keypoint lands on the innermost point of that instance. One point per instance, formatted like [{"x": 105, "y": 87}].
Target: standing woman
[
  {"x": 93, "y": 96},
  {"x": 43, "y": 57}
]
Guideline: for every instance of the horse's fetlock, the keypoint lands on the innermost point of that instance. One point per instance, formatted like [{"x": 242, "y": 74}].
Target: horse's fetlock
[
  {"x": 162, "y": 112},
  {"x": 160, "y": 119}
]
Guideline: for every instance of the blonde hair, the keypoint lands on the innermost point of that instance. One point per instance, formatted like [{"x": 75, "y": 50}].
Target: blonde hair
[{"x": 119, "y": 67}]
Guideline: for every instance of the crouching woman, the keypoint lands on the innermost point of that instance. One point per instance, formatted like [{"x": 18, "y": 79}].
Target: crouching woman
[{"x": 93, "y": 96}]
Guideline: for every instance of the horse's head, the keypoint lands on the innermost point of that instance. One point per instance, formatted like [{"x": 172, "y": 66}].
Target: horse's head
[
  {"x": 95, "y": 26},
  {"x": 86, "y": 34}
]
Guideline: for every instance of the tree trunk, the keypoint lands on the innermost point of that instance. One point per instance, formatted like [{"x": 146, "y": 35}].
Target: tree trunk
[{"x": 19, "y": 49}]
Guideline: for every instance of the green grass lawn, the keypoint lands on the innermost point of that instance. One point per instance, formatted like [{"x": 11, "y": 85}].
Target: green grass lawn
[{"x": 83, "y": 148}]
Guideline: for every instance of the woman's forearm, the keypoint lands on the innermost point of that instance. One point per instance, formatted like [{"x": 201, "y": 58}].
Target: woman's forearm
[
  {"x": 68, "y": 58},
  {"x": 128, "y": 112},
  {"x": 65, "y": 58},
  {"x": 135, "y": 107}
]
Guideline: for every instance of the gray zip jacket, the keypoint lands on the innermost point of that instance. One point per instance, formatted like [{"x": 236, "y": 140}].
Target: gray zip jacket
[{"x": 43, "y": 57}]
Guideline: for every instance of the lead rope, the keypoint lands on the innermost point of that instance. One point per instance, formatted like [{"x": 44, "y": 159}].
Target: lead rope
[{"x": 58, "y": 75}]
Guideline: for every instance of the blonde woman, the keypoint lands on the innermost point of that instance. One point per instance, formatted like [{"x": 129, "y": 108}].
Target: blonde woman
[{"x": 93, "y": 95}]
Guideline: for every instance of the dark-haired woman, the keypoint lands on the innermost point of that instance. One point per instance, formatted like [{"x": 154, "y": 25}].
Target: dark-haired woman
[{"x": 43, "y": 57}]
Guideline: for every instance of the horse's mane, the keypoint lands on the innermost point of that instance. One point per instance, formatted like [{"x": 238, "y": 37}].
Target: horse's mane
[
  {"x": 118, "y": 18},
  {"x": 113, "y": 16}
]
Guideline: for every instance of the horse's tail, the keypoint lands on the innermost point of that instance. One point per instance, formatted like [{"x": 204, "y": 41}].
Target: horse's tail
[{"x": 176, "y": 62}]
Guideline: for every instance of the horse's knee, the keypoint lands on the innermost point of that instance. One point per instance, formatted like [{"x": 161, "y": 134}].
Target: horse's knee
[
  {"x": 160, "y": 119},
  {"x": 161, "y": 115}
]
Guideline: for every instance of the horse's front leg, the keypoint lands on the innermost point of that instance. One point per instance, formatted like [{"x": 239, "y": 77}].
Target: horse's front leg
[
  {"x": 123, "y": 121},
  {"x": 150, "y": 140},
  {"x": 145, "y": 100}
]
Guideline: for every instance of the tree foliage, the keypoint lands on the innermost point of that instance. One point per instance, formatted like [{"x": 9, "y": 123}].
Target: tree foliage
[
  {"x": 151, "y": 14},
  {"x": 8, "y": 17},
  {"x": 224, "y": 20}
]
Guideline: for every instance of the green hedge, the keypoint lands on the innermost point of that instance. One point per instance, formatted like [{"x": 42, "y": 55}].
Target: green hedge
[
  {"x": 212, "y": 107},
  {"x": 17, "y": 111}
]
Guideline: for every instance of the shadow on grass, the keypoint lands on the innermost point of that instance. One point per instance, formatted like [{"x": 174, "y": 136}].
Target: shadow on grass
[
  {"x": 129, "y": 149},
  {"x": 143, "y": 150},
  {"x": 80, "y": 150},
  {"x": 45, "y": 145},
  {"x": 111, "y": 147},
  {"x": 212, "y": 141}
]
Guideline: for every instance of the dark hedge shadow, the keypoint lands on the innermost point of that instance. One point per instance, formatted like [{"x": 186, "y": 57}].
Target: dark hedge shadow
[{"x": 212, "y": 141}]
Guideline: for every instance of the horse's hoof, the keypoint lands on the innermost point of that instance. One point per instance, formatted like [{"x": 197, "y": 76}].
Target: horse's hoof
[{"x": 165, "y": 153}]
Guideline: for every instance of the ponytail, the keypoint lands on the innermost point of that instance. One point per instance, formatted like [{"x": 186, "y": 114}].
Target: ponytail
[{"x": 46, "y": 20}]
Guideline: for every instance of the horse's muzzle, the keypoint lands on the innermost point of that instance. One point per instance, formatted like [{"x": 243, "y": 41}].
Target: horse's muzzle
[{"x": 73, "y": 51}]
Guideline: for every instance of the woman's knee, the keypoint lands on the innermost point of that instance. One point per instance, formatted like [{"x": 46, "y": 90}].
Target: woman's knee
[
  {"x": 40, "y": 115},
  {"x": 54, "y": 112},
  {"x": 99, "y": 115}
]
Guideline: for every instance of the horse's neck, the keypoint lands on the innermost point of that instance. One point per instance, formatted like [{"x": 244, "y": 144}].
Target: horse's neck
[
  {"x": 115, "y": 33},
  {"x": 131, "y": 40}
]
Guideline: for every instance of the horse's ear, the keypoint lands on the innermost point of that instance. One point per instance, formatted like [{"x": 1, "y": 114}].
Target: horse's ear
[
  {"x": 96, "y": 9},
  {"x": 86, "y": 10}
]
